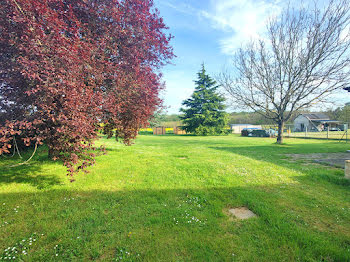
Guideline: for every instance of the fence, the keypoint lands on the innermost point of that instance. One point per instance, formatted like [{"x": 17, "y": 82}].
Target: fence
[
  {"x": 159, "y": 130},
  {"x": 328, "y": 134},
  {"x": 179, "y": 131}
]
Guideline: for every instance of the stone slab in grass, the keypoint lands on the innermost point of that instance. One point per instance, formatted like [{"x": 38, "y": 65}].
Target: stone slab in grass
[{"x": 242, "y": 212}]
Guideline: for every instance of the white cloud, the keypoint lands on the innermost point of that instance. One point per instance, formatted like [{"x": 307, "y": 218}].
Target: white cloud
[{"x": 241, "y": 20}]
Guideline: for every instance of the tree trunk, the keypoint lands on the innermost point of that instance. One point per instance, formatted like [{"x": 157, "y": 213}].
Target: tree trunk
[
  {"x": 53, "y": 153},
  {"x": 280, "y": 132}
]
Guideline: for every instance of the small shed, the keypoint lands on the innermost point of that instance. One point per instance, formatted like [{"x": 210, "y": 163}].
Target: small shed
[
  {"x": 179, "y": 131},
  {"x": 159, "y": 130},
  {"x": 237, "y": 128},
  {"x": 314, "y": 122}
]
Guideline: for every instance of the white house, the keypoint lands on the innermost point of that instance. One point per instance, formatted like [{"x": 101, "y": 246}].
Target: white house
[
  {"x": 237, "y": 128},
  {"x": 313, "y": 122}
]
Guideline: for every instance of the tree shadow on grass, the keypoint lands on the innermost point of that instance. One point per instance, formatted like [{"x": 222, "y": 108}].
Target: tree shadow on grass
[{"x": 30, "y": 173}]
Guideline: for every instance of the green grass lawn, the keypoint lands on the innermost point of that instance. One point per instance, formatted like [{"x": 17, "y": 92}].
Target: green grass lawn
[{"x": 166, "y": 198}]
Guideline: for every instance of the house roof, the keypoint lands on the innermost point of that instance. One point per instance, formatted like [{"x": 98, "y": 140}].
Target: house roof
[{"x": 316, "y": 116}]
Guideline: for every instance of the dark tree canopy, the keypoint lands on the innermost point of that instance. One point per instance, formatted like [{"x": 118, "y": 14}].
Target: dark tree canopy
[
  {"x": 204, "y": 112},
  {"x": 68, "y": 66}
]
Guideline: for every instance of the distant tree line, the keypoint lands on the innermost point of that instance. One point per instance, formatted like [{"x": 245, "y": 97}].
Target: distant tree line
[
  {"x": 248, "y": 118},
  {"x": 341, "y": 113},
  {"x": 161, "y": 118}
]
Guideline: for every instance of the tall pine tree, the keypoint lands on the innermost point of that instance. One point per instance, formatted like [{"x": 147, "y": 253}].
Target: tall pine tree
[{"x": 205, "y": 110}]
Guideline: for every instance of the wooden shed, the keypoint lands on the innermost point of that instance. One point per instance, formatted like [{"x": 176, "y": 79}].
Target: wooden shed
[
  {"x": 179, "y": 131},
  {"x": 159, "y": 130}
]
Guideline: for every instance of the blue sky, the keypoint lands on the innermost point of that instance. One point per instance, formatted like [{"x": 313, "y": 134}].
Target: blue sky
[
  {"x": 210, "y": 31},
  {"x": 207, "y": 31}
]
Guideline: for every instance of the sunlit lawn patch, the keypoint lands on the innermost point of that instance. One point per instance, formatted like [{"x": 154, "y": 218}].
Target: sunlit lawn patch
[{"x": 163, "y": 199}]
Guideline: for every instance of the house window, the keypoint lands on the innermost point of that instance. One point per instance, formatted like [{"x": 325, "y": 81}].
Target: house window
[{"x": 302, "y": 127}]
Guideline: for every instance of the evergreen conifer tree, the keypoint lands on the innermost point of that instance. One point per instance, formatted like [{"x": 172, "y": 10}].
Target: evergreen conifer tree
[{"x": 205, "y": 110}]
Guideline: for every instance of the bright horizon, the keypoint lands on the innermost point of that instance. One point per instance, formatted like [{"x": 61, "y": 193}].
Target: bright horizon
[{"x": 209, "y": 32}]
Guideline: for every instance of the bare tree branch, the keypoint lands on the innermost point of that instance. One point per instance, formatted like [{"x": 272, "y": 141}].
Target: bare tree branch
[{"x": 304, "y": 57}]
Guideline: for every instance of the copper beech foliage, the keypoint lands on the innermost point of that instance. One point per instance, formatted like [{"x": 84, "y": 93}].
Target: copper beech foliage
[{"x": 69, "y": 67}]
